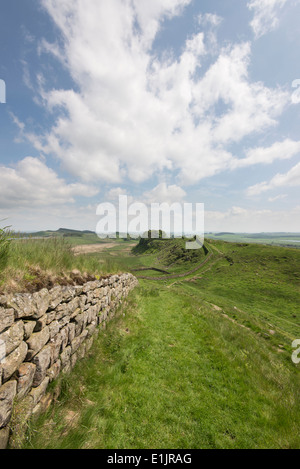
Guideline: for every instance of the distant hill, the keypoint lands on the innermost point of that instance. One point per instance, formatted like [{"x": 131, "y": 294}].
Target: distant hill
[
  {"x": 58, "y": 233},
  {"x": 225, "y": 233}
]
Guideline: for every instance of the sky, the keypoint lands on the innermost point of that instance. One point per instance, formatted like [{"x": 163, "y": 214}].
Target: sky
[{"x": 171, "y": 101}]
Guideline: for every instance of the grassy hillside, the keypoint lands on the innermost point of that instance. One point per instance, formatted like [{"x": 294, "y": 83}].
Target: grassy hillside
[{"x": 200, "y": 361}]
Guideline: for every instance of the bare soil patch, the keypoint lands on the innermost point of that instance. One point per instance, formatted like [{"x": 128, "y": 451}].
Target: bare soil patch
[{"x": 92, "y": 248}]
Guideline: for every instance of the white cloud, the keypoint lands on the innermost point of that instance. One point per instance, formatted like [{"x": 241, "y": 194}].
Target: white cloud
[
  {"x": 278, "y": 151},
  {"x": 134, "y": 114},
  {"x": 114, "y": 194},
  {"x": 32, "y": 183},
  {"x": 164, "y": 194},
  {"x": 289, "y": 179},
  {"x": 266, "y": 15},
  {"x": 210, "y": 19},
  {"x": 278, "y": 197}
]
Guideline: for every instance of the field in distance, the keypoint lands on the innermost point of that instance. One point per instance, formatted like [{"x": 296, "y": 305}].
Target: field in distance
[
  {"x": 277, "y": 239},
  {"x": 77, "y": 237}
]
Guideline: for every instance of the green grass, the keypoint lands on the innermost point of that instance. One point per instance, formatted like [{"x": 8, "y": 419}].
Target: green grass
[
  {"x": 34, "y": 261},
  {"x": 174, "y": 374},
  {"x": 198, "y": 362},
  {"x": 4, "y": 247}
]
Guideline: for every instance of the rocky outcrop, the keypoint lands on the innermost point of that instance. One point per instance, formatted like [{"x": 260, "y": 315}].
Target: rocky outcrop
[{"x": 44, "y": 334}]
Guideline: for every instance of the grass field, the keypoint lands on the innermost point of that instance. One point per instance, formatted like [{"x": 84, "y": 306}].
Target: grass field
[
  {"x": 200, "y": 361},
  {"x": 276, "y": 239}
]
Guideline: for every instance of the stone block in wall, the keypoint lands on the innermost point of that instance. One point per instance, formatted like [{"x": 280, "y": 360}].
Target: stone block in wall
[
  {"x": 12, "y": 337},
  {"x": 65, "y": 337},
  {"x": 68, "y": 293},
  {"x": 62, "y": 310},
  {"x": 56, "y": 346},
  {"x": 65, "y": 357},
  {"x": 7, "y": 394},
  {"x": 41, "y": 323},
  {"x": 91, "y": 329},
  {"x": 41, "y": 300},
  {"x": 68, "y": 309},
  {"x": 54, "y": 329},
  {"x": 103, "y": 317},
  {"x": 76, "y": 312},
  {"x": 77, "y": 342},
  {"x": 80, "y": 321},
  {"x": 92, "y": 314},
  {"x": 24, "y": 376},
  {"x": 13, "y": 361},
  {"x": 42, "y": 362},
  {"x": 28, "y": 305},
  {"x": 72, "y": 332},
  {"x": 64, "y": 321},
  {"x": 7, "y": 318},
  {"x": 37, "y": 393},
  {"x": 91, "y": 286},
  {"x": 99, "y": 293},
  {"x": 82, "y": 301},
  {"x": 74, "y": 305},
  {"x": 22, "y": 304},
  {"x": 78, "y": 290},
  {"x": 29, "y": 327},
  {"x": 56, "y": 297},
  {"x": 54, "y": 371},
  {"x": 36, "y": 342},
  {"x": 51, "y": 316}
]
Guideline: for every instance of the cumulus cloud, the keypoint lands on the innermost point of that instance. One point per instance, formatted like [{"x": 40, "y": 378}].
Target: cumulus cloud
[
  {"x": 32, "y": 183},
  {"x": 266, "y": 155},
  {"x": 134, "y": 114},
  {"x": 165, "y": 194},
  {"x": 289, "y": 179},
  {"x": 266, "y": 15},
  {"x": 210, "y": 19},
  {"x": 278, "y": 197}
]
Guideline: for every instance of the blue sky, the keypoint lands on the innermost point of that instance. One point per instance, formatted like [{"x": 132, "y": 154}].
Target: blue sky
[{"x": 165, "y": 101}]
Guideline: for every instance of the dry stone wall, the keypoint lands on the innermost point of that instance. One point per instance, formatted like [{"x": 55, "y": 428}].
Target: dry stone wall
[{"x": 44, "y": 334}]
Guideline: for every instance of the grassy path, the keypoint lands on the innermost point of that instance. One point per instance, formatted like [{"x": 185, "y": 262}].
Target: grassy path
[{"x": 172, "y": 373}]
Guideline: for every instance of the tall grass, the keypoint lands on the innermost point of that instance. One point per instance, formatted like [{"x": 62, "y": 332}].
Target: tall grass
[
  {"x": 49, "y": 254},
  {"x": 4, "y": 247},
  {"x": 31, "y": 264}
]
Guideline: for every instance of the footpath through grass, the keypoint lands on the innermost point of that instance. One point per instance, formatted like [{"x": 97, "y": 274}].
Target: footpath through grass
[{"x": 173, "y": 372}]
